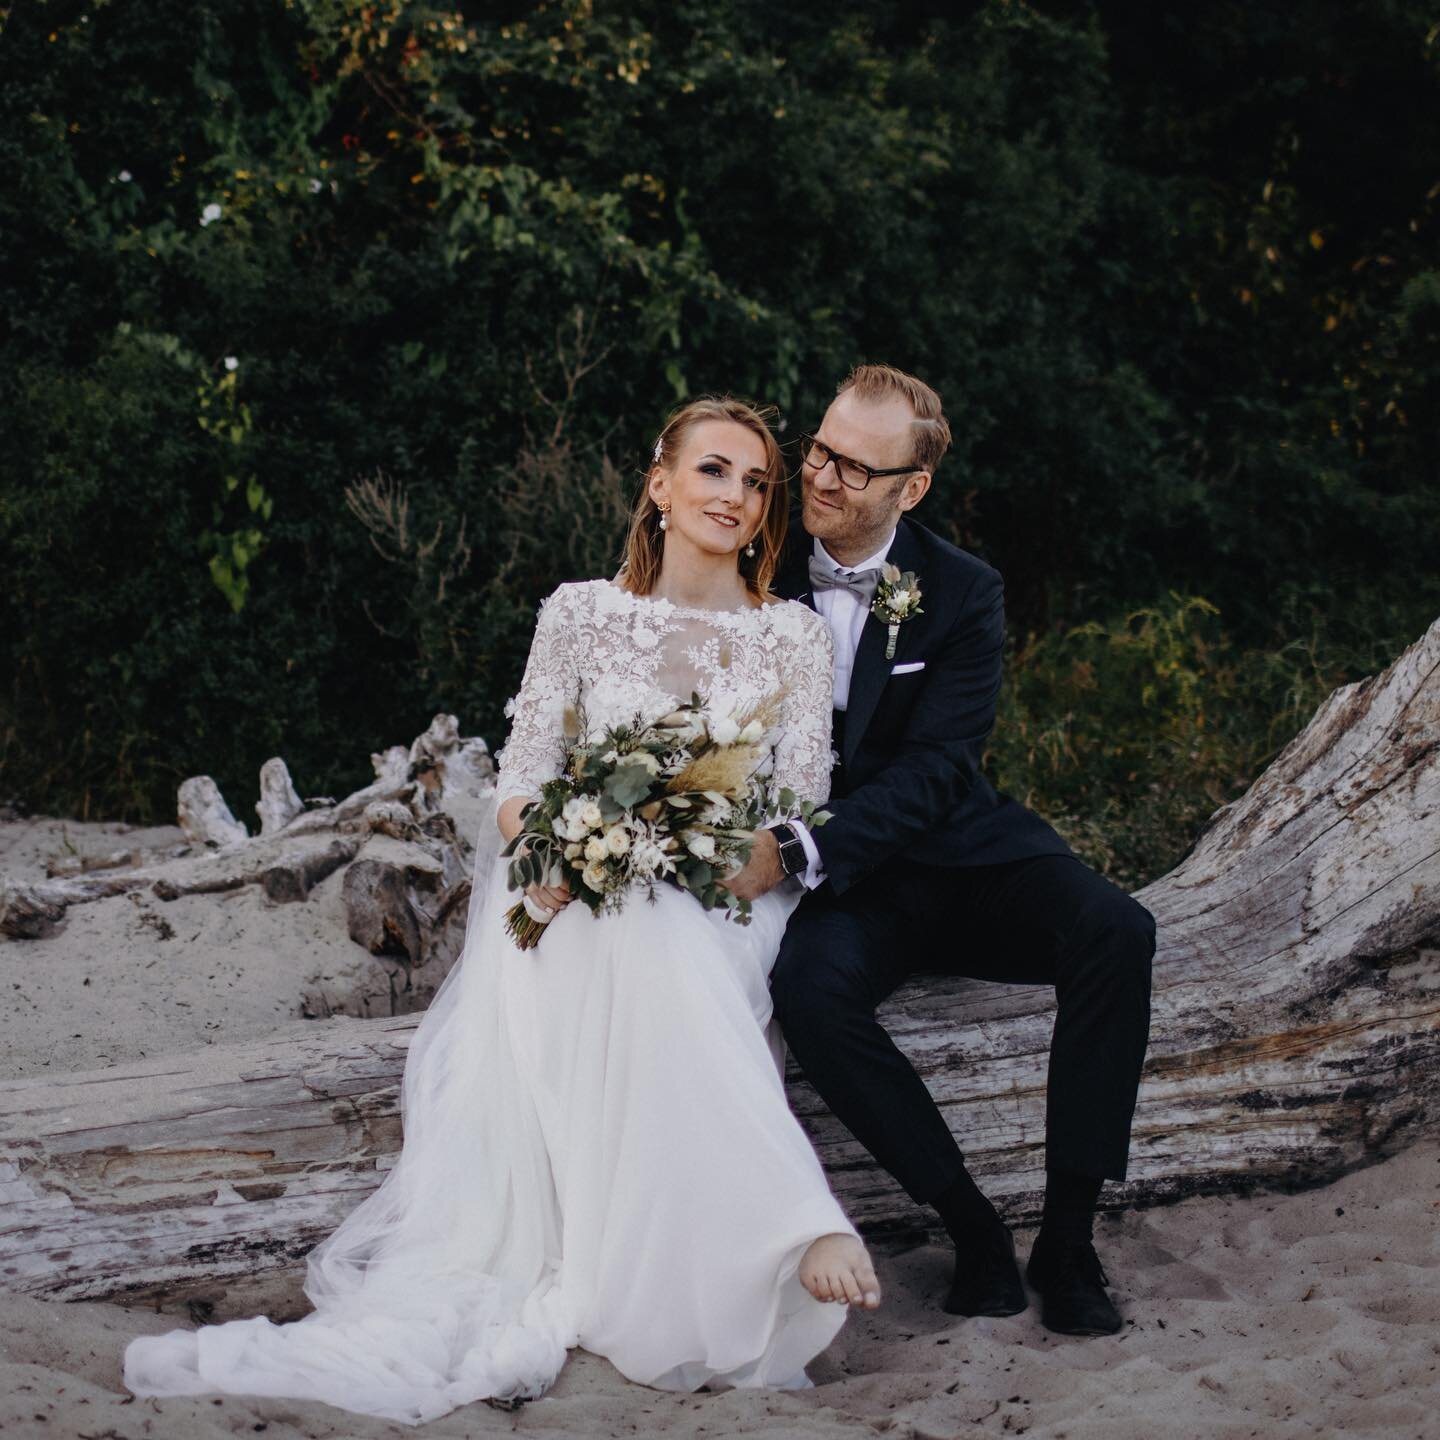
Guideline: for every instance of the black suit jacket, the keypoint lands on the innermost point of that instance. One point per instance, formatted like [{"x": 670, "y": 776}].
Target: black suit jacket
[{"x": 909, "y": 783}]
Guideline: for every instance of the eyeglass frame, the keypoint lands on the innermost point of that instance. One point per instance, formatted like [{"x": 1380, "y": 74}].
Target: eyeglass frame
[{"x": 809, "y": 442}]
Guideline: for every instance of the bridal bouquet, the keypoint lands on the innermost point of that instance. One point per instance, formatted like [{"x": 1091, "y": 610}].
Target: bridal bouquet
[{"x": 674, "y": 800}]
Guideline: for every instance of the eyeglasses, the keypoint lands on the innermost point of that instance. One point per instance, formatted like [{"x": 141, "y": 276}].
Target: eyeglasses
[{"x": 854, "y": 474}]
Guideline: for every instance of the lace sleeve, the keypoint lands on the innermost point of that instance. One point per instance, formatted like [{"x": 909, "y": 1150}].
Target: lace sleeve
[
  {"x": 802, "y": 753},
  {"x": 535, "y": 745}
]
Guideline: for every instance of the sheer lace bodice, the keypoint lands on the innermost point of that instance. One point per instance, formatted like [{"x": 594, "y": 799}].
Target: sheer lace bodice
[{"x": 613, "y": 655}]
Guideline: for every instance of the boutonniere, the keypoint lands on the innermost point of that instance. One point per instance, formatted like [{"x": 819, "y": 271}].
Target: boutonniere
[{"x": 897, "y": 598}]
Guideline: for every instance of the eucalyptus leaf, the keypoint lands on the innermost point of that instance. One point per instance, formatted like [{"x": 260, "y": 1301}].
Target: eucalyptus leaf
[{"x": 628, "y": 785}]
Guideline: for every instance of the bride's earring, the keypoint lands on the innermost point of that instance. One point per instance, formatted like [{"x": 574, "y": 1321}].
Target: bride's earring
[
  {"x": 664, "y": 516},
  {"x": 750, "y": 550}
]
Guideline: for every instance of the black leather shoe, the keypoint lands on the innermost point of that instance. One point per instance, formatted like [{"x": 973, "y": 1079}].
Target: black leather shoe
[
  {"x": 1072, "y": 1284},
  {"x": 987, "y": 1278}
]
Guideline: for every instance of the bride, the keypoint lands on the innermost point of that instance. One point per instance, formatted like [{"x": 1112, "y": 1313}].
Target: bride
[{"x": 597, "y": 1147}]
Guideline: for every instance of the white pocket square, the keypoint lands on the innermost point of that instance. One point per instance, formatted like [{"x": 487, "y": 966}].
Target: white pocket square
[{"x": 908, "y": 669}]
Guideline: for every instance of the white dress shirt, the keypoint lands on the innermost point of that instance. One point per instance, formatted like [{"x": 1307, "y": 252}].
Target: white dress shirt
[{"x": 845, "y": 613}]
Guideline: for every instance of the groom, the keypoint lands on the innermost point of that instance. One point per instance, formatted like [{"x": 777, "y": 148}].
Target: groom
[{"x": 926, "y": 867}]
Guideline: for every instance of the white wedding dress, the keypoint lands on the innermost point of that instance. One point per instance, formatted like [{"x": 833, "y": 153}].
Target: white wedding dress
[{"x": 597, "y": 1147}]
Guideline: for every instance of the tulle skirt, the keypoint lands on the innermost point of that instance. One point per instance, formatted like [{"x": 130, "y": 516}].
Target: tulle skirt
[{"x": 598, "y": 1151}]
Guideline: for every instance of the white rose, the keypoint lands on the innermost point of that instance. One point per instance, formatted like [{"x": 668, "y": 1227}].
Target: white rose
[
  {"x": 573, "y": 808},
  {"x": 591, "y": 817},
  {"x": 701, "y": 846},
  {"x": 573, "y": 851},
  {"x": 617, "y": 840},
  {"x": 595, "y": 849},
  {"x": 595, "y": 875},
  {"x": 724, "y": 730}
]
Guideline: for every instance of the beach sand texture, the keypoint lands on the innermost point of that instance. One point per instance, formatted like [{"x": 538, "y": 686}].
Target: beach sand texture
[{"x": 1308, "y": 1314}]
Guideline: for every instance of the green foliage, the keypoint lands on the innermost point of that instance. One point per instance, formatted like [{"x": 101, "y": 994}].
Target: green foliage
[
  {"x": 1175, "y": 277},
  {"x": 227, "y": 421},
  {"x": 1129, "y": 734}
]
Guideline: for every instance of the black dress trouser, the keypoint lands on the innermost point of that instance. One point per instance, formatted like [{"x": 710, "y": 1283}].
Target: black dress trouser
[{"x": 1044, "y": 919}]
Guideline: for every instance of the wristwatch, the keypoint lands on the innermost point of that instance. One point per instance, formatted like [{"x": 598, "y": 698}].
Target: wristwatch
[{"x": 793, "y": 858}]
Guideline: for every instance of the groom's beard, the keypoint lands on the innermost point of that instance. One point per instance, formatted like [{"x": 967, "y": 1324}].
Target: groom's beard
[{"x": 838, "y": 523}]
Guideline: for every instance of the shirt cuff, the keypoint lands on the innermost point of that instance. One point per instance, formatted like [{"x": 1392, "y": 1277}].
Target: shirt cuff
[{"x": 814, "y": 872}]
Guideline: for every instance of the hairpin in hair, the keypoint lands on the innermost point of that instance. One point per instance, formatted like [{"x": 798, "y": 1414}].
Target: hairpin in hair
[{"x": 659, "y": 449}]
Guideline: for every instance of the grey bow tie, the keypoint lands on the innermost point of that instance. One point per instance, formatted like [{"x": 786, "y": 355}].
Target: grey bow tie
[{"x": 861, "y": 583}]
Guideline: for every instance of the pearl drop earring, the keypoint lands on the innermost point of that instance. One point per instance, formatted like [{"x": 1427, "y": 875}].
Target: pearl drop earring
[
  {"x": 664, "y": 517},
  {"x": 750, "y": 550}
]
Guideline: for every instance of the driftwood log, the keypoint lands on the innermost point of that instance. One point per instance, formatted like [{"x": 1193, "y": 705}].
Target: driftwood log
[
  {"x": 1296, "y": 1034},
  {"x": 404, "y": 842}
]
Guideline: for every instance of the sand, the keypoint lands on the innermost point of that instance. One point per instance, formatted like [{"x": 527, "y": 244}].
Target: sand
[
  {"x": 132, "y": 976},
  {"x": 1305, "y": 1314}
]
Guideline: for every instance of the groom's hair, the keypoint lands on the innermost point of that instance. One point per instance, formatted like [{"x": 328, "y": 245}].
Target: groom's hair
[{"x": 930, "y": 430}]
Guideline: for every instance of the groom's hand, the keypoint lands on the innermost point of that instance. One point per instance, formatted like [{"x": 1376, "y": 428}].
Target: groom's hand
[{"x": 761, "y": 872}]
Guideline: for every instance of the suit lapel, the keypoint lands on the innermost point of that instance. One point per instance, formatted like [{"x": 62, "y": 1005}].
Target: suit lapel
[{"x": 872, "y": 669}]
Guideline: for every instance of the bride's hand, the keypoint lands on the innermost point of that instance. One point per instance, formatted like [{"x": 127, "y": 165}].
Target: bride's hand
[
  {"x": 544, "y": 897},
  {"x": 549, "y": 897}
]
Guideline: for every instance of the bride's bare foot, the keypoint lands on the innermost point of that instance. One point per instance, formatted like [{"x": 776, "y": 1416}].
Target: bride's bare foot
[{"x": 837, "y": 1267}]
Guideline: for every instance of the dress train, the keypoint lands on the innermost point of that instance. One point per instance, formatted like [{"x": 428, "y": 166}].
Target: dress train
[{"x": 598, "y": 1151}]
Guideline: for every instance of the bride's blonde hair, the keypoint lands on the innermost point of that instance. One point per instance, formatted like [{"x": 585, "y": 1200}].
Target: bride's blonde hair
[{"x": 645, "y": 543}]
